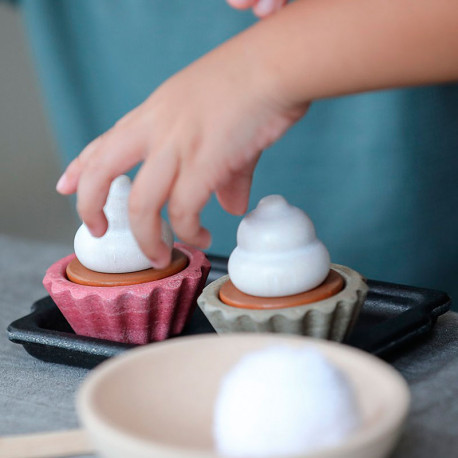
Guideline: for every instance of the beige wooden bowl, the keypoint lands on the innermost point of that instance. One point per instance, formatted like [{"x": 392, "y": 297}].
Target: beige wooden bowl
[{"x": 157, "y": 401}]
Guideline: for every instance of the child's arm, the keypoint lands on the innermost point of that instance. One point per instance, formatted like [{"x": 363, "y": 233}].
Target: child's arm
[
  {"x": 340, "y": 47},
  {"x": 204, "y": 129}
]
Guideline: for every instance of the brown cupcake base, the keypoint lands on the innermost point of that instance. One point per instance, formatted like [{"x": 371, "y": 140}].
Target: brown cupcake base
[
  {"x": 232, "y": 296},
  {"x": 77, "y": 273}
]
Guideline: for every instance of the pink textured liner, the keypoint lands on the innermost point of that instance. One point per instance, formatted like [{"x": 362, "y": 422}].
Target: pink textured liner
[{"x": 135, "y": 314}]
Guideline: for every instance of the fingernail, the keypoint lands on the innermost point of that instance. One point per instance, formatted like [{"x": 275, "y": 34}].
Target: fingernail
[{"x": 62, "y": 183}]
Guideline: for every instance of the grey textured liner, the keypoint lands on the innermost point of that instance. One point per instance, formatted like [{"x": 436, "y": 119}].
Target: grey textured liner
[{"x": 330, "y": 319}]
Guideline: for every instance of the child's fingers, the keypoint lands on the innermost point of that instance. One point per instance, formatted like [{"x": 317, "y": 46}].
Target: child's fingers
[
  {"x": 119, "y": 151},
  {"x": 233, "y": 196},
  {"x": 149, "y": 193},
  {"x": 242, "y": 4},
  {"x": 265, "y": 8},
  {"x": 189, "y": 195},
  {"x": 68, "y": 182},
  {"x": 91, "y": 199}
]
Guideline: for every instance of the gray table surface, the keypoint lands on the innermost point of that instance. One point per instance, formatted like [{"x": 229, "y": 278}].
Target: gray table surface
[{"x": 37, "y": 396}]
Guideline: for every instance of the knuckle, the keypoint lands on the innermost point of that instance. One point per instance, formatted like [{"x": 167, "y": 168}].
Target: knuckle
[
  {"x": 94, "y": 166},
  {"x": 75, "y": 166},
  {"x": 121, "y": 123},
  {"x": 97, "y": 178},
  {"x": 177, "y": 212},
  {"x": 140, "y": 207},
  {"x": 99, "y": 167},
  {"x": 92, "y": 147},
  {"x": 185, "y": 229},
  {"x": 182, "y": 234}
]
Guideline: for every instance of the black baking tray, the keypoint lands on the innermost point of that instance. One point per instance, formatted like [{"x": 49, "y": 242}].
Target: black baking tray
[{"x": 392, "y": 317}]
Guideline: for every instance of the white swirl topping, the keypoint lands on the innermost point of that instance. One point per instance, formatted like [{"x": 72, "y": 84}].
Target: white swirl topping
[
  {"x": 277, "y": 253},
  {"x": 117, "y": 251}
]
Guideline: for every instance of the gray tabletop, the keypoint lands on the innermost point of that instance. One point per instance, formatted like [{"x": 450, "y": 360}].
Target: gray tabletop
[{"x": 37, "y": 396}]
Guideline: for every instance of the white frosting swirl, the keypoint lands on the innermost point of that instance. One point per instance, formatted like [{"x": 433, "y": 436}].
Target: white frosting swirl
[
  {"x": 117, "y": 251},
  {"x": 277, "y": 253}
]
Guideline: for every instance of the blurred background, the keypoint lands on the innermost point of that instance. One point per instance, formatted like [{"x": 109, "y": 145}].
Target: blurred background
[{"x": 30, "y": 167}]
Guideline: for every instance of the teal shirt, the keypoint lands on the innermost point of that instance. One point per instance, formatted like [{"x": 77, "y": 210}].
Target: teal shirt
[{"x": 376, "y": 172}]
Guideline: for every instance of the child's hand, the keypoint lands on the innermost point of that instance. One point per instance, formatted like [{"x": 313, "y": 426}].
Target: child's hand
[
  {"x": 204, "y": 129},
  {"x": 201, "y": 132},
  {"x": 261, "y": 8}
]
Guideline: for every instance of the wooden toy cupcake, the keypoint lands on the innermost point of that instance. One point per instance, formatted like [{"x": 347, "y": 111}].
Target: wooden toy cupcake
[
  {"x": 281, "y": 279},
  {"x": 109, "y": 290}
]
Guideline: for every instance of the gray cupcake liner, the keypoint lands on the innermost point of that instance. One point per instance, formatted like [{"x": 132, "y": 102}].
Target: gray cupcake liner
[{"x": 331, "y": 318}]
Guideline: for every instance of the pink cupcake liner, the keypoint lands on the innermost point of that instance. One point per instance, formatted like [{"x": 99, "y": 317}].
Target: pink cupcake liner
[{"x": 135, "y": 314}]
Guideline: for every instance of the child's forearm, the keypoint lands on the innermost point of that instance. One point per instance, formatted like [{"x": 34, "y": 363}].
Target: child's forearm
[{"x": 321, "y": 48}]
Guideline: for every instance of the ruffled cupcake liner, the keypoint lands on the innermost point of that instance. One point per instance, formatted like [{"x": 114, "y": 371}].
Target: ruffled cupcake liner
[
  {"x": 135, "y": 314},
  {"x": 331, "y": 318}
]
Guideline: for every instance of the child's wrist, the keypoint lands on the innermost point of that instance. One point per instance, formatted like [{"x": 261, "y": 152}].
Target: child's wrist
[{"x": 272, "y": 75}]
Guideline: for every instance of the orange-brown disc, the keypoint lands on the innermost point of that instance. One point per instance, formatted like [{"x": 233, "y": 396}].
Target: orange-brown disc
[
  {"x": 230, "y": 295},
  {"x": 77, "y": 273}
]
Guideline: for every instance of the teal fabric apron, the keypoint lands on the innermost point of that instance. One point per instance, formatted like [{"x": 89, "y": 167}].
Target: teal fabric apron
[{"x": 376, "y": 172}]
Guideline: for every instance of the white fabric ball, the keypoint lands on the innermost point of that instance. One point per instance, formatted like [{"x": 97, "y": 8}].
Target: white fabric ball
[{"x": 283, "y": 401}]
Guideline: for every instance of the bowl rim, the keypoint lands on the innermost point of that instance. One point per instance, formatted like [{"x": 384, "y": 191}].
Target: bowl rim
[{"x": 385, "y": 425}]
